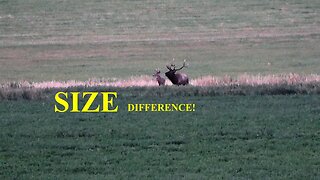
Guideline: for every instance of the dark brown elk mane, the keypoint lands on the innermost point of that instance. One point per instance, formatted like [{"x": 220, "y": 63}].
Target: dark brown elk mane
[{"x": 177, "y": 78}]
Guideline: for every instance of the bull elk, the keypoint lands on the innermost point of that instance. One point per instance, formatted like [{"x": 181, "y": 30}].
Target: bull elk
[
  {"x": 177, "y": 78},
  {"x": 161, "y": 80}
]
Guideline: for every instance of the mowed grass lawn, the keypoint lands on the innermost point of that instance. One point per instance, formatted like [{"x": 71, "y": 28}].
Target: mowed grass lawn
[{"x": 272, "y": 137}]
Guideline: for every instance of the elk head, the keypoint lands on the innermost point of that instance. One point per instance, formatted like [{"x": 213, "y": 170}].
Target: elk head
[
  {"x": 177, "y": 78},
  {"x": 157, "y": 73}
]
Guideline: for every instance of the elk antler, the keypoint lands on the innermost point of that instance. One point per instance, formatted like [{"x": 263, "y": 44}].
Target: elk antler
[
  {"x": 183, "y": 65},
  {"x": 172, "y": 66}
]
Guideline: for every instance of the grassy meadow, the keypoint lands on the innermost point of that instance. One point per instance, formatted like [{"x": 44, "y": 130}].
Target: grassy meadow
[
  {"x": 241, "y": 137},
  {"x": 44, "y": 40},
  {"x": 253, "y": 65}
]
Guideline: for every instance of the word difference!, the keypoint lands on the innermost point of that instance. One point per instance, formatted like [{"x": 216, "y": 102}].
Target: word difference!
[
  {"x": 91, "y": 102},
  {"x": 161, "y": 107}
]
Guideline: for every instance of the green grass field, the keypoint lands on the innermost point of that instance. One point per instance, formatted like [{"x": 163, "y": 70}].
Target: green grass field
[
  {"x": 226, "y": 137},
  {"x": 236, "y": 132}
]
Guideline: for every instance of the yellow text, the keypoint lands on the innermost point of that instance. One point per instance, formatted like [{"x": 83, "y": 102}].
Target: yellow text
[
  {"x": 106, "y": 104},
  {"x": 161, "y": 107}
]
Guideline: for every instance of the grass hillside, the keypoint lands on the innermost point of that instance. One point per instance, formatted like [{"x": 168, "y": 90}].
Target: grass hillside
[{"x": 64, "y": 40}]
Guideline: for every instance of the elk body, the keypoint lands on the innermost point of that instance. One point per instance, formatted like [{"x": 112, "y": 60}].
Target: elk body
[
  {"x": 177, "y": 78},
  {"x": 161, "y": 80}
]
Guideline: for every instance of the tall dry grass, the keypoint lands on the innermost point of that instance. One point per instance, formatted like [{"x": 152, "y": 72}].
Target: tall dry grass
[
  {"x": 254, "y": 80},
  {"x": 244, "y": 84},
  {"x": 147, "y": 81}
]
